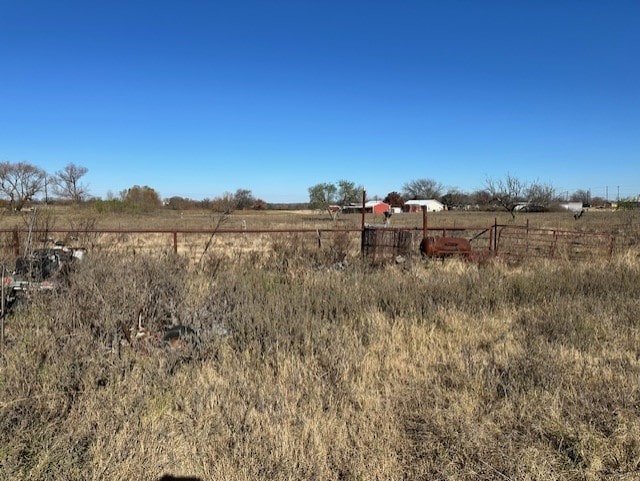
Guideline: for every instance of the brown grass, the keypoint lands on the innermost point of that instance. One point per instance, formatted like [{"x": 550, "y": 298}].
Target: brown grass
[
  {"x": 623, "y": 225},
  {"x": 309, "y": 370}
]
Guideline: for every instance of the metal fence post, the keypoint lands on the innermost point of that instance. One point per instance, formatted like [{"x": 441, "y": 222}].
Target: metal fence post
[{"x": 2, "y": 312}]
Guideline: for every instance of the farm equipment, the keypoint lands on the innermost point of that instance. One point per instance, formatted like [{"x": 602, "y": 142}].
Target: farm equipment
[
  {"x": 445, "y": 247},
  {"x": 43, "y": 269}
]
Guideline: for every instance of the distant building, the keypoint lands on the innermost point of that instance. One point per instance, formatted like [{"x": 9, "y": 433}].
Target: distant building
[
  {"x": 431, "y": 205},
  {"x": 370, "y": 207},
  {"x": 572, "y": 206},
  {"x": 529, "y": 207}
]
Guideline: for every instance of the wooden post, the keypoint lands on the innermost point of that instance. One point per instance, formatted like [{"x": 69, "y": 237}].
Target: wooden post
[
  {"x": 175, "y": 242},
  {"x": 16, "y": 242}
]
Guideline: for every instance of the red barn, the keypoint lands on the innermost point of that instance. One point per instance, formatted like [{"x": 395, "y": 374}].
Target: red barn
[
  {"x": 370, "y": 207},
  {"x": 376, "y": 207}
]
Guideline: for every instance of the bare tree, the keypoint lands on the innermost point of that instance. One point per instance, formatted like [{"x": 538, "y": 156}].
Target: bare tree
[
  {"x": 510, "y": 192},
  {"x": 541, "y": 194},
  {"x": 456, "y": 199},
  {"x": 67, "y": 183},
  {"x": 20, "y": 182},
  {"x": 482, "y": 198},
  {"x": 507, "y": 192},
  {"x": 226, "y": 203},
  {"x": 581, "y": 195},
  {"x": 422, "y": 189}
]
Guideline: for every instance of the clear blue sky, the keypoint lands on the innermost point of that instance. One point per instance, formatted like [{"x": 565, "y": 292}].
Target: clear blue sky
[{"x": 195, "y": 98}]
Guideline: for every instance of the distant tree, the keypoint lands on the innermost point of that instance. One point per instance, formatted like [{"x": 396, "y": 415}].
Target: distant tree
[
  {"x": 629, "y": 203},
  {"x": 225, "y": 204},
  {"x": 581, "y": 195},
  {"x": 541, "y": 194},
  {"x": 243, "y": 199},
  {"x": 598, "y": 201},
  {"x": 67, "y": 185},
  {"x": 343, "y": 192},
  {"x": 509, "y": 192},
  {"x": 331, "y": 196},
  {"x": 481, "y": 197},
  {"x": 179, "y": 203},
  {"x": 348, "y": 193},
  {"x": 456, "y": 198},
  {"x": 20, "y": 182},
  {"x": 394, "y": 199},
  {"x": 259, "y": 204},
  {"x": 506, "y": 193},
  {"x": 141, "y": 197},
  {"x": 204, "y": 203},
  {"x": 422, "y": 189},
  {"x": 321, "y": 196}
]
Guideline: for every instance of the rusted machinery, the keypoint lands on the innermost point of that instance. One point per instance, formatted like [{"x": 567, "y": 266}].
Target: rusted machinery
[
  {"x": 442, "y": 246},
  {"x": 445, "y": 247},
  {"x": 40, "y": 270}
]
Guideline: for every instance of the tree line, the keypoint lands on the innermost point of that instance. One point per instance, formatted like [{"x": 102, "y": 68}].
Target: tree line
[
  {"x": 21, "y": 183},
  {"x": 509, "y": 193}
]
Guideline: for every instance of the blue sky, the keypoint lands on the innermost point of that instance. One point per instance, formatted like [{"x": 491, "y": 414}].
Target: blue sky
[{"x": 198, "y": 98}]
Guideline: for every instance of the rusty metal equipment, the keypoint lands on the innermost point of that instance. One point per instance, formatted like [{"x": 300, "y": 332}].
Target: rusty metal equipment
[
  {"x": 442, "y": 246},
  {"x": 445, "y": 247},
  {"x": 40, "y": 270}
]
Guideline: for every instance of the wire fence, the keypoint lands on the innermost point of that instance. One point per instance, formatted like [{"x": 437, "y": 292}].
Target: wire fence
[{"x": 378, "y": 242}]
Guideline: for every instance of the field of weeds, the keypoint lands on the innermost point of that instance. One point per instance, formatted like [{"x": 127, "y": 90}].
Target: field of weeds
[
  {"x": 309, "y": 368},
  {"x": 189, "y": 233}
]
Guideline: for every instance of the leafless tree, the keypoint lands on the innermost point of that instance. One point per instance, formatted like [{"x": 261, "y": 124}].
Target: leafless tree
[
  {"x": 20, "y": 182},
  {"x": 507, "y": 192},
  {"x": 541, "y": 194},
  {"x": 581, "y": 195},
  {"x": 67, "y": 183},
  {"x": 510, "y": 192},
  {"x": 226, "y": 203},
  {"x": 422, "y": 189}
]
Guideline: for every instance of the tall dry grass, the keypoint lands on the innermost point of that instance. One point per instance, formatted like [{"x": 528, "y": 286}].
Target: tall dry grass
[{"x": 311, "y": 368}]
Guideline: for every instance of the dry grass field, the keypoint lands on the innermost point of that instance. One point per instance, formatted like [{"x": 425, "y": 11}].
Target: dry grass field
[{"x": 305, "y": 368}]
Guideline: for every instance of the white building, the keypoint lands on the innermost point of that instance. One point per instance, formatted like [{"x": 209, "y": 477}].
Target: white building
[
  {"x": 431, "y": 205},
  {"x": 572, "y": 206}
]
